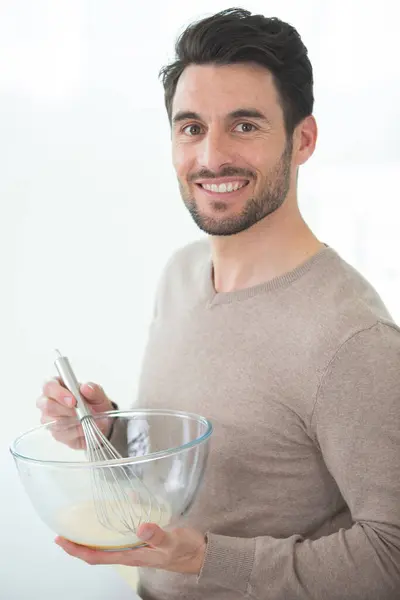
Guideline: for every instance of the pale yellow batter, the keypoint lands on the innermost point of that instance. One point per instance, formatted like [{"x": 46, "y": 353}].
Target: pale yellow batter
[{"x": 79, "y": 524}]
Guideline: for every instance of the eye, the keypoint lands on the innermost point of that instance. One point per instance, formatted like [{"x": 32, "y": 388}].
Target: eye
[
  {"x": 192, "y": 130},
  {"x": 245, "y": 127}
]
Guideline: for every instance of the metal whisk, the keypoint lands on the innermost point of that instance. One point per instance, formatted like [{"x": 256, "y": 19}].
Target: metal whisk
[{"x": 121, "y": 500}]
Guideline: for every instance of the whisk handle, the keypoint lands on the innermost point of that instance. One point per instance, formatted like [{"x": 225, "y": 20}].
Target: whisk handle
[{"x": 67, "y": 375}]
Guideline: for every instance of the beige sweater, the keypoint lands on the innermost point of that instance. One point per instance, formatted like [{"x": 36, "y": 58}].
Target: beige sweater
[{"x": 301, "y": 379}]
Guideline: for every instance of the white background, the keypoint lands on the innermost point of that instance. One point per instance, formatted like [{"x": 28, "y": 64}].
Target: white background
[{"x": 90, "y": 208}]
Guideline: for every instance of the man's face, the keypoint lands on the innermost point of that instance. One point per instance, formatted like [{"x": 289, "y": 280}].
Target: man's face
[{"x": 230, "y": 151}]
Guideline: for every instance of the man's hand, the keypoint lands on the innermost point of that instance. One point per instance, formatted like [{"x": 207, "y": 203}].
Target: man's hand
[
  {"x": 180, "y": 550},
  {"x": 57, "y": 404}
]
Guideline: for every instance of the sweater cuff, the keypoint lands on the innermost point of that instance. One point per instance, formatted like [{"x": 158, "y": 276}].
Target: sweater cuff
[{"x": 228, "y": 562}]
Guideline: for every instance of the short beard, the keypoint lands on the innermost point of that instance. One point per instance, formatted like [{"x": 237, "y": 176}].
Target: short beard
[{"x": 256, "y": 209}]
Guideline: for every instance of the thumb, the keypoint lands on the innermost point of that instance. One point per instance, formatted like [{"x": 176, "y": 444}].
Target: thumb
[
  {"x": 153, "y": 535},
  {"x": 94, "y": 393}
]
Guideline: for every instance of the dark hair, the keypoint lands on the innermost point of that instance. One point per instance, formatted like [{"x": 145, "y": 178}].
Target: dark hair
[{"x": 236, "y": 36}]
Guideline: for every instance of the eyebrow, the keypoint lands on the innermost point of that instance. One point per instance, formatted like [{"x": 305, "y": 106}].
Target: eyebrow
[
  {"x": 184, "y": 115},
  {"x": 249, "y": 113}
]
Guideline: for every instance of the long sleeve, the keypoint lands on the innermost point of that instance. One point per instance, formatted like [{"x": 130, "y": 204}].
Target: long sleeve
[{"x": 356, "y": 425}]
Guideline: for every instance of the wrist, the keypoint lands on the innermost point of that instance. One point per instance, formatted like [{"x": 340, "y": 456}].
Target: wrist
[
  {"x": 111, "y": 424},
  {"x": 199, "y": 559}
]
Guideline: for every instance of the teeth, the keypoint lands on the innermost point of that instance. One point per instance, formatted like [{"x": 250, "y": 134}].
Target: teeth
[{"x": 222, "y": 188}]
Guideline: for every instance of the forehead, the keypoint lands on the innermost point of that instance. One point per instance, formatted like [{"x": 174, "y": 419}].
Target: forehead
[{"x": 213, "y": 90}]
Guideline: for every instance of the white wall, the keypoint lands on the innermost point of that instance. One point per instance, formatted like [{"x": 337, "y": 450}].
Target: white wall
[{"x": 90, "y": 208}]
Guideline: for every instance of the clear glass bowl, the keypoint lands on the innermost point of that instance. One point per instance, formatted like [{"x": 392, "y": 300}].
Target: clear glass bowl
[{"x": 164, "y": 454}]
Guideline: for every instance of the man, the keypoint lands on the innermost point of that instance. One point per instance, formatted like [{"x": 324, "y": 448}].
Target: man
[{"x": 270, "y": 334}]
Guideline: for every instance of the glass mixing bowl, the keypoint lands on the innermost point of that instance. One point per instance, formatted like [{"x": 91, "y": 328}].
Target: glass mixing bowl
[{"x": 164, "y": 457}]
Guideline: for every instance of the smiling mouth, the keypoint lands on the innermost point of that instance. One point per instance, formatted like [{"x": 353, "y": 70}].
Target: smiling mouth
[{"x": 223, "y": 188}]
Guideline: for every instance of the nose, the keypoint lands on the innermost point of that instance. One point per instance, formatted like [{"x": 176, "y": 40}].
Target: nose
[{"x": 214, "y": 151}]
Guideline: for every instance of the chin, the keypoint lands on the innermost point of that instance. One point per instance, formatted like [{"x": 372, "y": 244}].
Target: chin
[{"x": 222, "y": 226}]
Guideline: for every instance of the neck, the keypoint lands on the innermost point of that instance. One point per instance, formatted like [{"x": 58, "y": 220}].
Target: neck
[{"x": 275, "y": 245}]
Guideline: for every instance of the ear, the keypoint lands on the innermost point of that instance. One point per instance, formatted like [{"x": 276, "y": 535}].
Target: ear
[{"x": 305, "y": 139}]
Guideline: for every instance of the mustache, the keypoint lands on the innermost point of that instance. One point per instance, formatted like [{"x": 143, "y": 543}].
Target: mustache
[{"x": 225, "y": 172}]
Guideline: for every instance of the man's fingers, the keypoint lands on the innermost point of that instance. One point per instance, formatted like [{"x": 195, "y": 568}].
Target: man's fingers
[
  {"x": 95, "y": 394},
  {"x": 73, "y": 443},
  {"x": 96, "y": 557},
  {"x": 92, "y": 392},
  {"x": 67, "y": 434},
  {"x": 57, "y": 405},
  {"x": 65, "y": 431},
  {"x": 53, "y": 389},
  {"x": 153, "y": 535},
  {"x": 52, "y": 408},
  {"x": 92, "y": 557}
]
